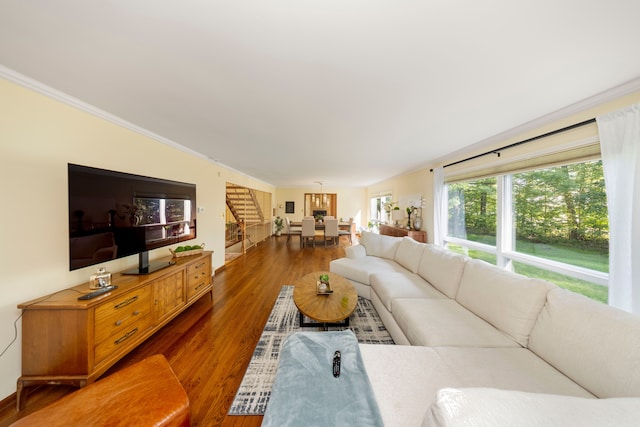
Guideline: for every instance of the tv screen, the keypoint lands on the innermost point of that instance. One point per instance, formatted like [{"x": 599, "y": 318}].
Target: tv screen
[{"x": 116, "y": 214}]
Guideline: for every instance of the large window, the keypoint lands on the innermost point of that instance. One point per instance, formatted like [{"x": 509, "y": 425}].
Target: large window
[
  {"x": 472, "y": 210},
  {"x": 548, "y": 223},
  {"x": 377, "y": 210}
]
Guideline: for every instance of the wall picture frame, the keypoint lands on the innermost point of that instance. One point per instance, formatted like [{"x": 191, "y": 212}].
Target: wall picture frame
[{"x": 289, "y": 207}]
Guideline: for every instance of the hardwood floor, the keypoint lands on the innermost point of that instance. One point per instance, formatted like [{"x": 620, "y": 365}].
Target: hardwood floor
[{"x": 209, "y": 347}]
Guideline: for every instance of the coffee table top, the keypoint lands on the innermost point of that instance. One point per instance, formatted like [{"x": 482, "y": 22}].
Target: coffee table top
[{"x": 330, "y": 308}]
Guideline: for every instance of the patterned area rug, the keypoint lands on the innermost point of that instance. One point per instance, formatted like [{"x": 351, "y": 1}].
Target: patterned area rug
[{"x": 253, "y": 395}]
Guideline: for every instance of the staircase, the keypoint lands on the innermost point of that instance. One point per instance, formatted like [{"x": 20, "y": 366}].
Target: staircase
[
  {"x": 251, "y": 224},
  {"x": 243, "y": 204}
]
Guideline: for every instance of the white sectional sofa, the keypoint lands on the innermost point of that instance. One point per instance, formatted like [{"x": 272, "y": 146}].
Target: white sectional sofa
[{"x": 476, "y": 336}]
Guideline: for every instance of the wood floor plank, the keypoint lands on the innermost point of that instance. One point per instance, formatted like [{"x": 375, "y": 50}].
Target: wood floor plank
[{"x": 210, "y": 345}]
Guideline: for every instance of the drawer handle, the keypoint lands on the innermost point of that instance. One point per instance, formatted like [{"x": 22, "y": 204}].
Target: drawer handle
[
  {"x": 127, "y": 302},
  {"x": 125, "y": 336},
  {"x": 119, "y": 322},
  {"x": 200, "y": 285}
]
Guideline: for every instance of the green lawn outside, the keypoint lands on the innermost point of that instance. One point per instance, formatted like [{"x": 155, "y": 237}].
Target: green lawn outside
[
  {"x": 574, "y": 257},
  {"x": 592, "y": 290},
  {"x": 592, "y": 259}
]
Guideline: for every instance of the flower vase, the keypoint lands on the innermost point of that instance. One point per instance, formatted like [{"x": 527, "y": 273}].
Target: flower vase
[
  {"x": 417, "y": 223},
  {"x": 409, "y": 221}
]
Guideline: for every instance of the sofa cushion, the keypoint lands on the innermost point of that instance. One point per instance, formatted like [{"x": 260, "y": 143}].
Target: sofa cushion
[
  {"x": 444, "y": 322},
  {"x": 509, "y": 368},
  {"x": 409, "y": 253},
  {"x": 509, "y": 301},
  {"x": 391, "y": 285},
  {"x": 442, "y": 268},
  {"x": 595, "y": 345},
  {"x": 405, "y": 378},
  {"x": 490, "y": 407},
  {"x": 380, "y": 246},
  {"x": 359, "y": 270}
]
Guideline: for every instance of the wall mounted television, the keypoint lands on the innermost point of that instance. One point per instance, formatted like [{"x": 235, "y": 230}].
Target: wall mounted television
[{"x": 116, "y": 214}]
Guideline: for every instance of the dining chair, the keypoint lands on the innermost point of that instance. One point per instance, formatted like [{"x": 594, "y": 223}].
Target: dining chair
[
  {"x": 291, "y": 231},
  {"x": 331, "y": 231},
  {"x": 293, "y": 227},
  {"x": 348, "y": 232},
  {"x": 308, "y": 231}
]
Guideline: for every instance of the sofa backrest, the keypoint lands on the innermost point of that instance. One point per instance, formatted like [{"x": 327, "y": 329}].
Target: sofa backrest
[
  {"x": 380, "y": 246},
  {"x": 409, "y": 253},
  {"x": 595, "y": 345},
  {"x": 442, "y": 269},
  {"x": 509, "y": 301}
]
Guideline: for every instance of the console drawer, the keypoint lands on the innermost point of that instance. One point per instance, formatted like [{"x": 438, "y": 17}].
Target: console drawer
[
  {"x": 116, "y": 316},
  {"x": 198, "y": 277},
  {"x": 122, "y": 338}
]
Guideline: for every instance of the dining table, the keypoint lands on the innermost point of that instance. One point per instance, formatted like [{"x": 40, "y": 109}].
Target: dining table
[{"x": 343, "y": 225}]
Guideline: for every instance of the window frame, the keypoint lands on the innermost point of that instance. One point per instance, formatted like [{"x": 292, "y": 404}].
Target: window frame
[
  {"x": 504, "y": 250},
  {"x": 380, "y": 201}
]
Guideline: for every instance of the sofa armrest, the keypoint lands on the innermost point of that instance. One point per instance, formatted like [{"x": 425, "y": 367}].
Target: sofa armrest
[{"x": 355, "y": 251}]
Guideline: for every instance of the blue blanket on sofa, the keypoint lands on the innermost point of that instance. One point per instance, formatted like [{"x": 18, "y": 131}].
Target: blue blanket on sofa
[{"x": 305, "y": 391}]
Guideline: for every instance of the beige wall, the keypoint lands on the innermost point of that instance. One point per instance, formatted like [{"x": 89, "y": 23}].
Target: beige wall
[
  {"x": 38, "y": 137},
  {"x": 407, "y": 187}
]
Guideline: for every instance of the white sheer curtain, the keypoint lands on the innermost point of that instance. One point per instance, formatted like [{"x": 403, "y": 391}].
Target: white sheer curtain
[
  {"x": 439, "y": 207},
  {"x": 620, "y": 147}
]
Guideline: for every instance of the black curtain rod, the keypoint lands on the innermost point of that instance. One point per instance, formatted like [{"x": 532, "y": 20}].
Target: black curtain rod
[{"x": 515, "y": 144}]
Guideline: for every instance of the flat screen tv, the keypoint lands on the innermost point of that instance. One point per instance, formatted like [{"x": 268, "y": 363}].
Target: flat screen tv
[{"x": 116, "y": 214}]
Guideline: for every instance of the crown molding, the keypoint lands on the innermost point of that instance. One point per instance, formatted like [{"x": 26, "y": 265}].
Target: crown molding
[
  {"x": 591, "y": 102},
  {"x": 548, "y": 119},
  {"x": 39, "y": 87},
  {"x": 71, "y": 101}
]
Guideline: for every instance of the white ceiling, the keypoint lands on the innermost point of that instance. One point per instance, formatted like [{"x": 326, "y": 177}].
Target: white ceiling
[{"x": 349, "y": 92}]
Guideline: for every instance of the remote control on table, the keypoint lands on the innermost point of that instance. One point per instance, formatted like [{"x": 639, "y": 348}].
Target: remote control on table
[
  {"x": 98, "y": 292},
  {"x": 336, "y": 364}
]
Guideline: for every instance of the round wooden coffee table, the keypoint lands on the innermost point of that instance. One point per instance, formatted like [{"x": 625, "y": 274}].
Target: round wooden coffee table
[{"x": 334, "y": 308}]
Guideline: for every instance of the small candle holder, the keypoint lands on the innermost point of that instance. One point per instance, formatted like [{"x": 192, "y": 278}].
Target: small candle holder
[
  {"x": 322, "y": 285},
  {"x": 101, "y": 279}
]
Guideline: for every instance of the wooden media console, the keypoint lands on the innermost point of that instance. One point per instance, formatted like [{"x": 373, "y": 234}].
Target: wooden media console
[{"x": 71, "y": 341}]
